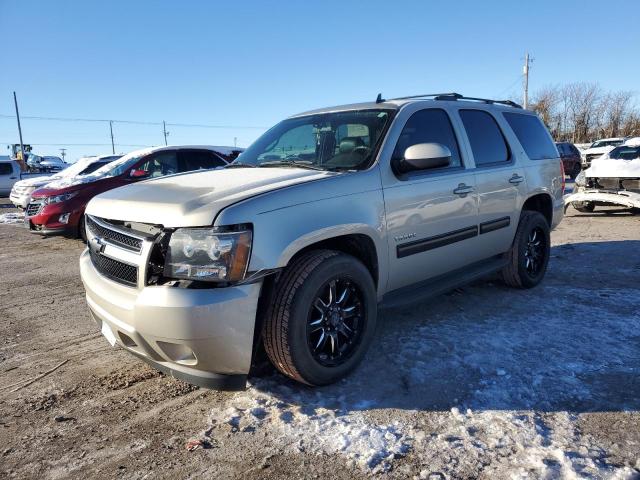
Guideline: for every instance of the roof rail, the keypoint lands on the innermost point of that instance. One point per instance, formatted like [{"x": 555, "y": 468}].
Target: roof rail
[{"x": 456, "y": 96}]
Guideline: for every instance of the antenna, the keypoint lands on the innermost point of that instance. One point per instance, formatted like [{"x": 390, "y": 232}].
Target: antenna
[{"x": 379, "y": 98}]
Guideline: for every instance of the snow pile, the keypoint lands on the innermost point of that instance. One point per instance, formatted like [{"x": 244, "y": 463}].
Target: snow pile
[
  {"x": 293, "y": 422},
  {"x": 9, "y": 218}
]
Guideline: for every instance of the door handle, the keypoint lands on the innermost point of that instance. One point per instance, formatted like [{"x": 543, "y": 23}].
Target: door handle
[
  {"x": 463, "y": 189},
  {"x": 12, "y": 178},
  {"x": 516, "y": 179}
]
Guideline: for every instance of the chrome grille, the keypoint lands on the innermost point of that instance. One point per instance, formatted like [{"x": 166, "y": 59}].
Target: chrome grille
[
  {"x": 115, "y": 270},
  {"x": 34, "y": 208},
  {"x": 114, "y": 236}
]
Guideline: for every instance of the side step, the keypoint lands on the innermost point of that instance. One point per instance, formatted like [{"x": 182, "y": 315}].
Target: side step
[{"x": 442, "y": 283}]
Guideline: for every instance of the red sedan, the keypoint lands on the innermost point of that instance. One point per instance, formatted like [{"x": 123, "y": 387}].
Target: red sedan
[{"x": 59, "y": 207}]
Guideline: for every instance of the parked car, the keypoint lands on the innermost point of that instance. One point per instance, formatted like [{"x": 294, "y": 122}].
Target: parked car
[
  {"x": 599, "y": 148},
  {"x": 59, "y": 207},
  {"x": 328, "y": 214},
  {"x": 570, "y": 157},
  {"x": 10, "y": 173},
  {"x": 22, "y": 190},
  {"x": 612, "y": 179},
  {"x": 46, "y": 163}
]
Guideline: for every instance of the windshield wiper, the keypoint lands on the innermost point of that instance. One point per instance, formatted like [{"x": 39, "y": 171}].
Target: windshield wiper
[
  {"x": 291, "y": 163},
  {"x": 239, "y": 165}
]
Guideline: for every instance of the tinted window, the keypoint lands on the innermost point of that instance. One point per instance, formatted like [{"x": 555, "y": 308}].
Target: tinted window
[
  {"x": 487, "y": 143},
  {"x": 161, "y": 164},
  {"x": 625, "y": 152},
  {"x": 429, "y": 126},
  {"x": 5, "y": 169},
  {"x": 92, "y": 168},
  {"x": 199, "y": 159},
  {"x": 533, "y": 135}
]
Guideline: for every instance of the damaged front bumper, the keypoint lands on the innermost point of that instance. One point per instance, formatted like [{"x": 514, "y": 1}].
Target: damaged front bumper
[
  {"x": 202, "y": 336},
  {"x": 623, "y": 198}
]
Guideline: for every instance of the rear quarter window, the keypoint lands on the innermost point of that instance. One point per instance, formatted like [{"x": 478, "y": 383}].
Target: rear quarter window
[
  {"x": 532, "y": 135},
  {"x": 6, "y": 169}
]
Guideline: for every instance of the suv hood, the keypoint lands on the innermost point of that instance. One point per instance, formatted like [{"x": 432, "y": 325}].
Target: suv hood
[{"x": 194, "y": 199}]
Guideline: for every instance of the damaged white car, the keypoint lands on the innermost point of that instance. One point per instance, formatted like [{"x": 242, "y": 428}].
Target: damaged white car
[{"x": 611, "y": 180}]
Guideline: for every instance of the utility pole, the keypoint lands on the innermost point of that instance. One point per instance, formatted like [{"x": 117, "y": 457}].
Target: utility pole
[
  {"x": 525, "y": 71},
  {"x": 63, "y": 152},
  {"x": 164, "y": 131},
  {"x": 15, "y": 102},
  {"x": 235, "y": 141},
  {"x": 113, "y": 147}
]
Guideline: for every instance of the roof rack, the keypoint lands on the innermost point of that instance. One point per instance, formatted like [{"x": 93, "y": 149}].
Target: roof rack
[{"x": 456, "y": 96}]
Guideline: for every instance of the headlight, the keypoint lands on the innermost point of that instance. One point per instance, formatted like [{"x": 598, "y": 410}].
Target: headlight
[
  {"x": 208, "y": 254},
  {"x": 60, "y": 198}
]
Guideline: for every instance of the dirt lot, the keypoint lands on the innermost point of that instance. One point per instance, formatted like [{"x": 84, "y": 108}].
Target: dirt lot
[{"x": 485, "y": 382}]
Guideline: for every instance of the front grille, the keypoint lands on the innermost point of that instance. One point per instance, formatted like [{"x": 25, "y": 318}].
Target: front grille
[
  {"x": 34, "y": 208},
  {"x": 114, "y": 236},
  {"x": 115, "y": 270}
]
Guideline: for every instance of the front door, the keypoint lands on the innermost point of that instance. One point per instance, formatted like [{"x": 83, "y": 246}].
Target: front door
[{"x": 432, "y": 215}]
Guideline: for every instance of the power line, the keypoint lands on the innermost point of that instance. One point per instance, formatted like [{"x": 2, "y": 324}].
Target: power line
[
  {"x": 85, "y": 144},
  {"x": 133, "y": 122}
]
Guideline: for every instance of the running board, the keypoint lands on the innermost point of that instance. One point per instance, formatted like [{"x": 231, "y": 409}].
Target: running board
[{"x": 442, "y": 283}]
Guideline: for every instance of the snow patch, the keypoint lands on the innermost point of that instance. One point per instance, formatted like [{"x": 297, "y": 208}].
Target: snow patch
[
  {"x": 292, "y": 422},
  {"x": 12, "y": 218}
]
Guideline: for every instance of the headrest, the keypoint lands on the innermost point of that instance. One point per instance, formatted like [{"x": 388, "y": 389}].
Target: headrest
[{"x": 348, "y": 144}]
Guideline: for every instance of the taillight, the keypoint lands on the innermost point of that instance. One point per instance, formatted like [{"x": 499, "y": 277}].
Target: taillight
[{"x": 564, "y": 182}]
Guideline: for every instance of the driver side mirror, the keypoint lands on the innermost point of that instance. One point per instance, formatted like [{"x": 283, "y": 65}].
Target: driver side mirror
[
  {"x": 139, "y": 174},
  {"x": 423, "y": 156}
]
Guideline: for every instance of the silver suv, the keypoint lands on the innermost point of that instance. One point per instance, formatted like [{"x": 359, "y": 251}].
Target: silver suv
[{"x": 328, "y": 215}]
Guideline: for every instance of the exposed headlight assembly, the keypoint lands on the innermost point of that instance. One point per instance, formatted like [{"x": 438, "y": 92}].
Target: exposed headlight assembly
[
  {"x": 60, "y": 198},
  {"x": 208, "y": 254}
]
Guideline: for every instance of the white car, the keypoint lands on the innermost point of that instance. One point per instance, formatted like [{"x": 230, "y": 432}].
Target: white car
[
  {"x": 612, "y": 179},
  {"x": 22, "y": 190},
  {"x": 599, "y": 148}
]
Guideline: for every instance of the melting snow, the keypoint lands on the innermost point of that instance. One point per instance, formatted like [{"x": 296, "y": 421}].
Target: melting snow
[{"x": 14, "y": 217}]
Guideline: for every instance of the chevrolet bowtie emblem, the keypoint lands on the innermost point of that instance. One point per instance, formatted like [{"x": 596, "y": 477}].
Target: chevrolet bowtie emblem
[{"x": 97, "y": 244}]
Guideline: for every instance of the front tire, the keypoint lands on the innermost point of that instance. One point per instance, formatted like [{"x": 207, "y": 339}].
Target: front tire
[
  {"x": 322, "y": 318},
  {"x": 82, "y": 233},
  {"x": 529, "y": 254},
  {"x": 577, "y": 168},
  {"x": 584, "y": 207}
]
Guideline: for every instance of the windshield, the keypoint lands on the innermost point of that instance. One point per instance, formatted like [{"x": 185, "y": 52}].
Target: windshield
[
  {"x": 328, "y": 141},
  {"x": 625, "y": 152},
  {"x": 605, "y": 143}
]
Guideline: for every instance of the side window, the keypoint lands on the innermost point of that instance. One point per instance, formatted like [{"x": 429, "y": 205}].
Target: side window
[
  {"x": 5, "y": 168},
  {"x": 487, "y": 142},
  {"x": 198, "y": 160},
  {"x": 160, "y": 164},
  {"x": 532, "y": 135},
  {"x": 429, "y": 126}
]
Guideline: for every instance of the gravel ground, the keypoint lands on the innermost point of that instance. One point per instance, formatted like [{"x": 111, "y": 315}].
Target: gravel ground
[{"x": 484, "y": 382}]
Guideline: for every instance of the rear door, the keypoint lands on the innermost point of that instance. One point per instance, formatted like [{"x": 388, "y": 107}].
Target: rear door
[
  {"x": 500, "y": 181},
  {"x": 431, "y": 215}
]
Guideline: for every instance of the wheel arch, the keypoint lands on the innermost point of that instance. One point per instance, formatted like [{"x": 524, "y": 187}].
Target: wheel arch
[
  {"x": 358, "y": 245},
  {"x": 540, "y": 202}
]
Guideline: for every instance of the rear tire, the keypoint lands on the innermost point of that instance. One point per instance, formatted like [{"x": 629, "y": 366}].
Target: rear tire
[
  {"x": 584, "y": 207},
  {"x": 529, "y": 254},
  {"x": 322, "y": 317}
]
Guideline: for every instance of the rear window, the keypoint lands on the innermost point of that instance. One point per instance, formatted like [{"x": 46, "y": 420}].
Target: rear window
[
  {"x": 5, "y": 168},
  {"x": 532, "y": 134},
  {"x": 486, "y": 139},
  {"x": 92, "y": 168}
]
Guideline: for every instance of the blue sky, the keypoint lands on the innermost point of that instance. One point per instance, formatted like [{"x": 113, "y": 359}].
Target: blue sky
[{"x": 250, "y": 64}]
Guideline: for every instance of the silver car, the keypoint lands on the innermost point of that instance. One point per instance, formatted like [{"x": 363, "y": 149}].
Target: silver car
[{"x": 326, "y": 216}]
